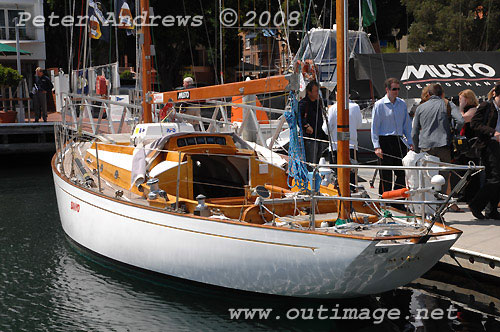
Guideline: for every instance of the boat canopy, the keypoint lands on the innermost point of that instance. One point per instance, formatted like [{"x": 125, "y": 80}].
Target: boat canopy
[{"x": 320, "y": 45}]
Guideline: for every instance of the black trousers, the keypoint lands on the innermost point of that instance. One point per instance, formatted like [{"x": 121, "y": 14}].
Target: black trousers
[
  {"x": 40, "y": 105},
  {"x": 314, "y": 151},
  {"x": 393, "y": 150},
  {"x": 490, "y": 192}
]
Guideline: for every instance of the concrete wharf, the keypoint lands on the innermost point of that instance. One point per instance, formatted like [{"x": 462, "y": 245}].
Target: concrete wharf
[{"x": 478, "y": 249}]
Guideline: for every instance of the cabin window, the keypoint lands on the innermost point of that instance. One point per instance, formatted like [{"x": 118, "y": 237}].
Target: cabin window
[
  {"x": 201, "y": 140},
  {"x": 220, "y": 140}
]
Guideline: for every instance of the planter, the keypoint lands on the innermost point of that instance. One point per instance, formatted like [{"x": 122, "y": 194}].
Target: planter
[{"x": 8, "y": 117}]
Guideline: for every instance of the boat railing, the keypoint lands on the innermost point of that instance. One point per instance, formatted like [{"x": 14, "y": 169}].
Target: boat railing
[
  {"x": 114, "y": 117},
  {"x": 438, "y": 202},
  {"x": 218, "y": 122},
  {"x": 224, "y": 124},
  {"x": 94, "y": 116}
]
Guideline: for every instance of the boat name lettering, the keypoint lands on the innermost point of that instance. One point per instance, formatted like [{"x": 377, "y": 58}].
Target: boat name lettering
[
  {"x": 183, "y": 95},
  {"x": 75, "y": 206},
  {"x": 381, "y": 250}
]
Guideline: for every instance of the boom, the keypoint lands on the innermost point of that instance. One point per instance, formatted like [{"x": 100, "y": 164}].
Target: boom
[{"x": 258, "y": 86}]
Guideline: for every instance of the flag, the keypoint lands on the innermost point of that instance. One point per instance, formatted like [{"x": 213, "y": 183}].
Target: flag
[
  {"x": 369, "y": 10},
  {"x": 99, "y": 27},
  {"x": 125, "y": 18}
]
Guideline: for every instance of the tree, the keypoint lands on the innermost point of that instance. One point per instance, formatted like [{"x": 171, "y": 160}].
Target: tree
[{"x": 454, "y": 25}]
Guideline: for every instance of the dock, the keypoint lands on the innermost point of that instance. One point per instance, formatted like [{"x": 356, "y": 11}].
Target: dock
[
  {"x": 29, "y": 137},
  {"x": 476, "y": 250}
]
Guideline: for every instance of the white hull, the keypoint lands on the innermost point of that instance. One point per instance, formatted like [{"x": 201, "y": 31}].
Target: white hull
[{"x": 239, "y": 256}]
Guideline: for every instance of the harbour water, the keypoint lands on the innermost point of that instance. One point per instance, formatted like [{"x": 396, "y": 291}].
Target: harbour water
[{"x": 46, "y": 284}]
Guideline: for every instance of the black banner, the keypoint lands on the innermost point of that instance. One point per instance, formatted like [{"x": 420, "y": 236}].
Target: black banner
[{"x": 455, "y": 71}]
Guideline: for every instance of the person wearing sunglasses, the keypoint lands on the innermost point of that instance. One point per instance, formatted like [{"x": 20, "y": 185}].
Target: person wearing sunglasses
[{"x": 391, "y": 135}]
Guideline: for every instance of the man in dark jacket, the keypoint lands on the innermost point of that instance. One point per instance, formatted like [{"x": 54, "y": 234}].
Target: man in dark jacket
[
  {"x": 486, "y": 125},
  {"x": 311, "y": 109},
  {"x": 42, "y": 85}
]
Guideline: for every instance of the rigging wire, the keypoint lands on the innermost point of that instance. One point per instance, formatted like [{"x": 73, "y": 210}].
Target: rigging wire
[
  {"x": 71, "y": 54},
  {"x": 220, "y": 42},
  {"x": 287, "y": 37},
  {"x": 156, "y": 67},
  {"x": 189, "y": 41},
  {"x": 486, "y": 26},
  {"x": 80, "y": 38},
  {"x": 212, "y": 56}
]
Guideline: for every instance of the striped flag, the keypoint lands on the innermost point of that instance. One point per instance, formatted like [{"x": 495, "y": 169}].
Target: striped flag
[
  {"x": 124, "y": 14},
  {"x": 99, "y": 27}
]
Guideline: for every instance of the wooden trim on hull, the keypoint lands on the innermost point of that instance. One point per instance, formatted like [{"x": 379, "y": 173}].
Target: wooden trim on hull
[{"x": 449, "y": 230}]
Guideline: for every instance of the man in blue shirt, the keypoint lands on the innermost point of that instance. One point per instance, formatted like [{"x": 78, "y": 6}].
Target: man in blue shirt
[{"x": 391, "y": 135}]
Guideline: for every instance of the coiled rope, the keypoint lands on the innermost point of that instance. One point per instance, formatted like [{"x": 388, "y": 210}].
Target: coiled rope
[{"x": 296, "y": 166}]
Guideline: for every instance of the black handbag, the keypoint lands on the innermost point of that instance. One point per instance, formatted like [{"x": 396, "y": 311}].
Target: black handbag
[{"x": 469, "y": 148}]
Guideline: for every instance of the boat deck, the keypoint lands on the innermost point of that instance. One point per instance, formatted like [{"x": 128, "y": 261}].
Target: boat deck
[{"x": 294, "y": 222}]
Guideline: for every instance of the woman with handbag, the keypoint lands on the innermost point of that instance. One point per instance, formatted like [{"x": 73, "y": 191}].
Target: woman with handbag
[
  {"x": 487, "y": 128},
  {"x": 467, "y": 104}
]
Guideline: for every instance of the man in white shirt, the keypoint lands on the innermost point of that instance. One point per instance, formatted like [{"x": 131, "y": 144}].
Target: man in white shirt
[{"x": 355, "y": 121}]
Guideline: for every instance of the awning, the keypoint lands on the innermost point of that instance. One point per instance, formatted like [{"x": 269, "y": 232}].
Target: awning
[
  {"x": 455, "y": 71},
  {"x": 9, "y": 50}
]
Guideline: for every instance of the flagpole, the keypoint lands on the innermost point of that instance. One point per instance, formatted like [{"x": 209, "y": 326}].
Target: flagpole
[
  {"x": 360, "y": 24},
  {"x": 220, "y": 42},
  {"x": 116, "y": 33}
]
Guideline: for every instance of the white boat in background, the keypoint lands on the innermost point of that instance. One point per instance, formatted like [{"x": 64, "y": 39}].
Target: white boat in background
[{"x": 206, "y": 206}]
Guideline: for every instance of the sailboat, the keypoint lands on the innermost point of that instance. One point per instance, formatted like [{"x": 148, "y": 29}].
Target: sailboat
[{"x": 204, "y": 206}]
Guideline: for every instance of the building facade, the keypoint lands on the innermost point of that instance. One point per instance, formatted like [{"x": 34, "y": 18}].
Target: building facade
[{"x": 32, "y": 38}]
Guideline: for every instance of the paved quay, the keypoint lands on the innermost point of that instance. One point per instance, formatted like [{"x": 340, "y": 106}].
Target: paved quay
[{"x": 478, "y": 249}]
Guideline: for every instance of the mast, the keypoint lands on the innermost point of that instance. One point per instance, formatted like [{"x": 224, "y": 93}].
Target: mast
[
  {"x": 145, "y": 37},
  {"x": 342, "y": 110}
]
